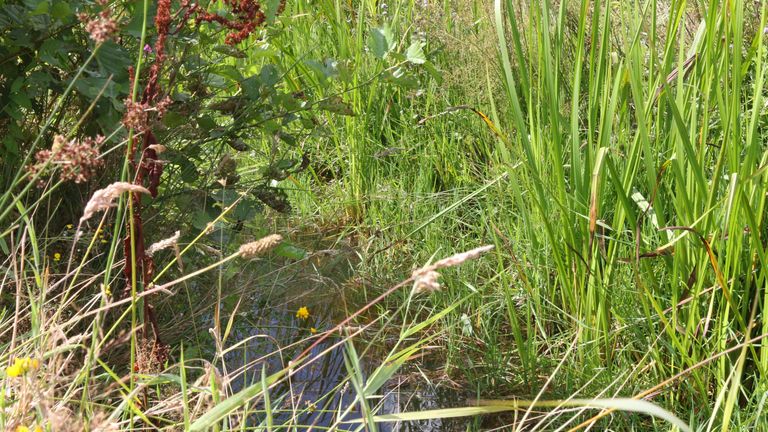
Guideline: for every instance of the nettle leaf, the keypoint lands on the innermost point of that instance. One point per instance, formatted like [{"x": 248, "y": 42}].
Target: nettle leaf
[
  {"x": 21, "y": 100},
  {"x": 269, "y": 75},
  {"x": 91, "y": 86},
  {"x": 201, "y": 219},
  {"x": 432, "y": 70},
  {"x": 61, "y": 10},
  {"x": 247, "y": 209},
  {"x": 381, "y": 42},
  {"x": 415, "y": 53},
  {"x": 53, "y": 52},
  {"x": 215, "y": 80},
  {"x": 225, "y": 196},
  {"x": 251, "y": 87},
  {"x": 114, "y": 59}
]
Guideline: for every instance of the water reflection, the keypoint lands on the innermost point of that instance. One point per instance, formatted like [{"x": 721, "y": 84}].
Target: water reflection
[{"x": 318, "y": 396}]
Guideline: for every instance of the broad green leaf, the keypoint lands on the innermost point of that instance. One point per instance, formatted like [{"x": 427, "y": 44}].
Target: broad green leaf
[
  {"x": 381, "y": 41},
  {"x": 206, "y": 123},
  {"x": 290, "y": 251},
  {"x": 415, "y": 53},
  {"x": 114, "y": 59},
  {"x": 61, "y": 10}
]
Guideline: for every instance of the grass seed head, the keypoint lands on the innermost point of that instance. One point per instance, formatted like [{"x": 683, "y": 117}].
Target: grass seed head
[
  {"x": 103, "y": 199},
  {"x": 259, "y": 247},
  {"x": 427, "y": 282},
  {"x": 170, "y": 242}
]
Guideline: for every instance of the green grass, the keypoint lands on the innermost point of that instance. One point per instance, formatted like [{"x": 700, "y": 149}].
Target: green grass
[{"x": 626, "y": 205}]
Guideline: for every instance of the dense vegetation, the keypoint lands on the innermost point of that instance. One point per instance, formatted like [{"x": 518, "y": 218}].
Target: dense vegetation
[{"x": 554, "y": 213}]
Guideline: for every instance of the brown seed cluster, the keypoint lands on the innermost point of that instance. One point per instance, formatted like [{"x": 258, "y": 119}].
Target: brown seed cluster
[
  {"x": 100, "y": 28},
  {"x": 76, "y": 160},
  {"x": 248, "y": 15},
  {"x": 136, "y": 115},
  {"x": 151, "y": 357},
  {"x": 253, "y": 249}
]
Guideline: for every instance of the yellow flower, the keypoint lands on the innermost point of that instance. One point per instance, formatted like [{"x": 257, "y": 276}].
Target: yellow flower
[
  {"x": 21, "y": 366},
  {"x": 302, "y": 313},
  {"x": 57, "y": 256},
  {"x": 312, "y": 330},
  {"x": 14, "y": 371},
  {"x": 37, "y": 429},
  {"x": 70, "y": 226},
  {"x": 103, "y": 241},
  {"x": 22, "y": 429}
]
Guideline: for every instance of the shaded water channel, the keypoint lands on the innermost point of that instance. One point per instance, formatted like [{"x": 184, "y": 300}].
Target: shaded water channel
[{"x": 270, "y": 334}]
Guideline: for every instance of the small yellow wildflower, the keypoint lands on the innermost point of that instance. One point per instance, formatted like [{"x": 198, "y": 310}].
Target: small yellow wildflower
[
  {"x": 57, "y": 256},
  {"x": 103, "y": 241},
  {"x": 37, "y": 429},
  {"x": 302, "y": 313},
  {"x": 22, "y": 429},
  {"x": 21, "y": 366},
  {"x": 70, "y": 226},
  {"x": 14, "y": 371},
  {"x": 312, "y": 330}
]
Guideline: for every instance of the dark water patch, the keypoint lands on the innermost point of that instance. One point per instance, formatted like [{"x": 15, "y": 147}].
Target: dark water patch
[{"x": 272, "y": 327}]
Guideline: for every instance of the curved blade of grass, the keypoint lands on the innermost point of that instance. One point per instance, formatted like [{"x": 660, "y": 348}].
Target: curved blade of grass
[
  {"x": 227, "y": 406},
  {"x": 497, "y": 406}
]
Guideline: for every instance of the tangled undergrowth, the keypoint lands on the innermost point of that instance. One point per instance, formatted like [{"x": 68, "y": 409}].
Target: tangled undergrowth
[{"x": 160, "y": 160}]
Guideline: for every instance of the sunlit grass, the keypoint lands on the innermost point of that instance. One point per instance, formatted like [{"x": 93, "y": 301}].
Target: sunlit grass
[{"x": 612, "y": 152}]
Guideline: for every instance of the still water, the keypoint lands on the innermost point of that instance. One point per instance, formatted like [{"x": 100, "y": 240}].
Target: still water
[{"x": 320, "y": 396}]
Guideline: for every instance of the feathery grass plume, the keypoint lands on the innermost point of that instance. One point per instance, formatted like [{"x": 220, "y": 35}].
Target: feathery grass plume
[
  {"x": 170, "y": 242},
  {"x": 427, "y": 282},
  {"x": 103, "y": 199},
  {"x": 258, "y": 247},
  {"x": 425, "y": 278}
]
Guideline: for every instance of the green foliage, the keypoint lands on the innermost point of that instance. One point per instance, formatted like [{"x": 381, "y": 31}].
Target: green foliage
[{"x": 613, "y": 152}]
